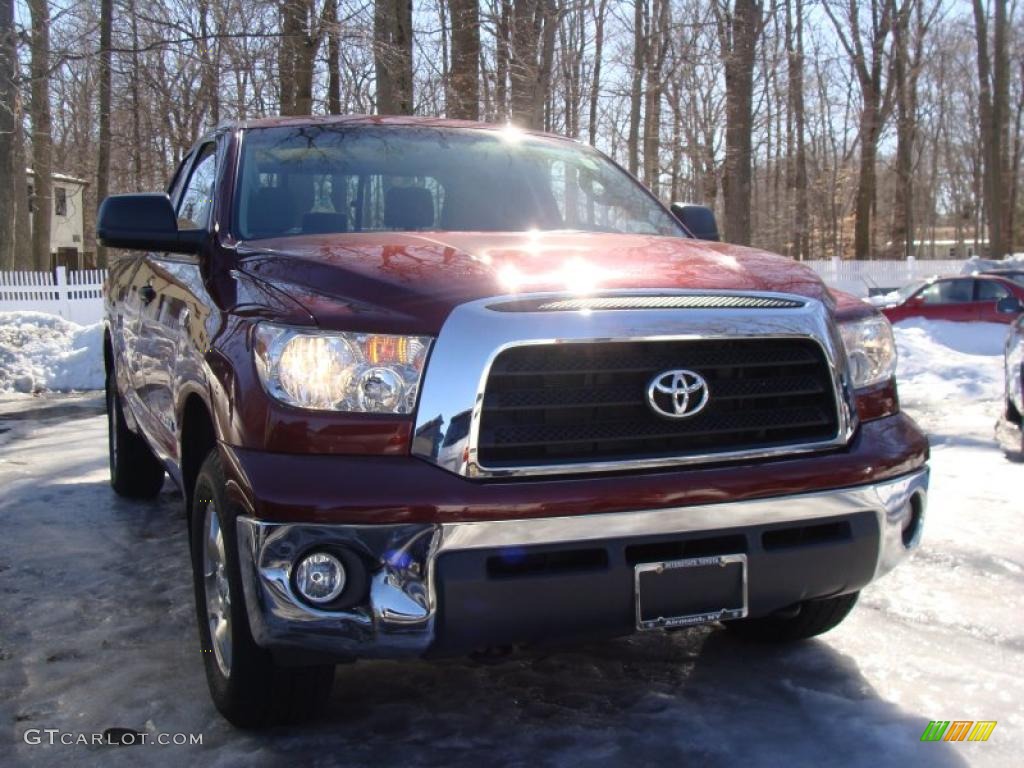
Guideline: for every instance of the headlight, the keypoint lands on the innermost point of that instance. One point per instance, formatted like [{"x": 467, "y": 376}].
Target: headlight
[
  {"x": 870, "y": 350},
  {"x": 357, "y": 372}
]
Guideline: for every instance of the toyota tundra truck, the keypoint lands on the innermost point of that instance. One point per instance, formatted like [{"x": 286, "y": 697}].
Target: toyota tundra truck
[{"x": 435, "y": 388}]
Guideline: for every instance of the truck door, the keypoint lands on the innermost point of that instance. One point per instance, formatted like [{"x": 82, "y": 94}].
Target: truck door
[{"x": 169, "y": 286}]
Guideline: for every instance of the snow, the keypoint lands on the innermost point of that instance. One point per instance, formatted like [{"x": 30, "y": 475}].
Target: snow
[
  {"x": 98, "y": 631},
  {"x": 43, "y": 352}
]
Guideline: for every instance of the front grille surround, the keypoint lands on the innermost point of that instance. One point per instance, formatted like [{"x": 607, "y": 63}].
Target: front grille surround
[{"x": 447, "y": 432}]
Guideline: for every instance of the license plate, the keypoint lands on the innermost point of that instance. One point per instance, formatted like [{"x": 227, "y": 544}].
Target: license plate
[{"x": 694, "y": 590}]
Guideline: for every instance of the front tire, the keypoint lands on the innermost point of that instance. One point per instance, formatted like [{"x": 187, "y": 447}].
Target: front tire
[
  {"x": 134, "y": 471},
  {"x": 815, "y": 617},
  {"x": 246, "y": 685}
]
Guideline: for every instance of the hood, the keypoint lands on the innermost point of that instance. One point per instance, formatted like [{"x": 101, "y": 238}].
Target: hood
[{"x": 409, "y": 281}]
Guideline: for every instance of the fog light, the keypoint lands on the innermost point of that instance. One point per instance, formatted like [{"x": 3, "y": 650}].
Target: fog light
[
  {"x": 912, "y": 523},
  {"x": 320, "y": 577}
]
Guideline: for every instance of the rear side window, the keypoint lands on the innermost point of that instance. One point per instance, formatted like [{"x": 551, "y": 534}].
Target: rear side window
[
  {"x": 949, "y": 292},
  {"x": 197, "y": 202},
  {"x": 990, "y": 290}
]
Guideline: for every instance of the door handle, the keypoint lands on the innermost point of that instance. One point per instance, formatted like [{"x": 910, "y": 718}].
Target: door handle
[{"x": 147, "y": 293}]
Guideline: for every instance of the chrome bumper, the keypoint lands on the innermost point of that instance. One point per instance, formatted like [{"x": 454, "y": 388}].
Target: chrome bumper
[
  {"x": 1010, "y": 436},
  {"x": 399, "y": 617}
]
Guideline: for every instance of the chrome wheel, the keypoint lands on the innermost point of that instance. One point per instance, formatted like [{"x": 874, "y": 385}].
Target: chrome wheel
[{"x": 218, "y": 591}]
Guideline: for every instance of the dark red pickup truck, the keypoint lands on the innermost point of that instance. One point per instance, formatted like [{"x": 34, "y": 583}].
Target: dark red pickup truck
[{"x": 432, "y": 388}]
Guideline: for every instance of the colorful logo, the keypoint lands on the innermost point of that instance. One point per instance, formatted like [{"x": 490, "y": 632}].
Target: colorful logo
[{"x": 958, "y": 730}]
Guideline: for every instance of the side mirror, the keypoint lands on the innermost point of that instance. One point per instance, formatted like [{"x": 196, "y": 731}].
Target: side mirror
[
  {"x": 144, "y": 222},
  {"x": 699, "y": 220},
  {"x": 1009, "y": 305}
]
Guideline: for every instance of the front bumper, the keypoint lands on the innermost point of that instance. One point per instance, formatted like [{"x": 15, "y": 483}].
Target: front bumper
[
  {"x": 1010, "y": 436},
  {"x": 444, "y": 588}
]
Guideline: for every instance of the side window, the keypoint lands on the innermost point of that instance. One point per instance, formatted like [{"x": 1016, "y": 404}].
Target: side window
[
  {"x": 990, "y": 290},
  {"x": 948, "y": 292},
  {"x": 178, "y": 179},
  {"x": 197, "y": 201}
]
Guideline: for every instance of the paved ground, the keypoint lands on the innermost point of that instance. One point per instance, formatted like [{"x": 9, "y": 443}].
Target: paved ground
[{"x": 97, "y": 630}]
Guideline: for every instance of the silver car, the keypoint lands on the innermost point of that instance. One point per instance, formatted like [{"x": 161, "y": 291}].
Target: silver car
[{"x": 1009, "y": 430}]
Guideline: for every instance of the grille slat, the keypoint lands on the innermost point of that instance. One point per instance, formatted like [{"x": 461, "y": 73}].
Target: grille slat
[
  {"x": 625, "y": 396},
  {"x": 554, "y": 404}
]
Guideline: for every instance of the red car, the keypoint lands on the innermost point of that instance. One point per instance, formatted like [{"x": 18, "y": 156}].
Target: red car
[
  {"x": 432, "y": 387},
  {"x": 975, "y": 298}
]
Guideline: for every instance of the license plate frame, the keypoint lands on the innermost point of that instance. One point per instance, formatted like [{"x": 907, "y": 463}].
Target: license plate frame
[{"x": 727, "y": 564}]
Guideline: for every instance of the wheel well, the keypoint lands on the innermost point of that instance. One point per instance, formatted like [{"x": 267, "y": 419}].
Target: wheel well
[{"x": 197, "y": 438}]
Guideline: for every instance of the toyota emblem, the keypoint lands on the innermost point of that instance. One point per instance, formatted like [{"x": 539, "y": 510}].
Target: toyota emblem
[{"x": 677, "y": 394}]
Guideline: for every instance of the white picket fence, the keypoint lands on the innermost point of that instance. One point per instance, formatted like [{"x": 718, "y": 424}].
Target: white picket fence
[
  {"x": 76, "y": 295},
  {"x": 859, "y": 277}
]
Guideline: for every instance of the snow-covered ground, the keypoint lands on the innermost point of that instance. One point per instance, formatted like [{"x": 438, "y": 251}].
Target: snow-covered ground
[{"x": 96, "y": 630}]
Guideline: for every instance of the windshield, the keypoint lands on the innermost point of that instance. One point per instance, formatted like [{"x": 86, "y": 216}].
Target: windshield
[
  {"x": 907, "y": 291},
  {"x": 318, "y": 179}
]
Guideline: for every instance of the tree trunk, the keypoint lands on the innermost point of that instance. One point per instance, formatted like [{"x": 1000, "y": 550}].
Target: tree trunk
[
  {"x": 137, "y": 147},
  {"x": 994, "y": 113},
  {"x": 392, "y": 53},
  {"x": 42, "y": 138},
  {"x": 465, "y": 67},
  {"x": 636, "y": 89},
  {"x": 22, "y": 216},
  {"x": 502, "y": 55},
  {"x": 901, "y": 235},
  {"x": 291, "y": 29},
  {"x": 738, "y": 34},
  {"x": 798, "y": 180},
  {"x": 531, "y": 57},
  {"x": 12, "y": 178},
  {"x": 595, "y": 83},
  {"x": 870, "y": 128},
  {"x": 103, "y": 154},
  {"x": 333, "y": 59},
  {"x": 657, "y": 42}
]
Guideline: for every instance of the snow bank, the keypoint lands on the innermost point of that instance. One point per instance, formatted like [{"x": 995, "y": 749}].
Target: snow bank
[
  {"x": 39, "y": 351},
  {"x": 939, "y": 359},
  {"x": 951, "y": 377}
]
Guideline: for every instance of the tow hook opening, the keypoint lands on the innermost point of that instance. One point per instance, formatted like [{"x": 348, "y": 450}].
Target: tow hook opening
[{"x": 911, "y": 532}]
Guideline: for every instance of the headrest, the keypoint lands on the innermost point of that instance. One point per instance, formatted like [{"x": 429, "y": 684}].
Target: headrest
[
  {"x": 408, "y": 208},
  {"x": 271, "y": 212}
]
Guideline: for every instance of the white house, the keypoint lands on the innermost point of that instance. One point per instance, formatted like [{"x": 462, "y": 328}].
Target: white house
[{"x": 66, "y": 223}]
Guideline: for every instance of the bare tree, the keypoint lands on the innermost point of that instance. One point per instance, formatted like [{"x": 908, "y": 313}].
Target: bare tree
[
  {"x": 740, "y": 23},
  {"x": 465, "y": 66},
  {"x": 993, "y": 79},
  {"x": 42, "y": 139},
  {"x": 10, "y": 173},
  {"x": 393, "y": 56},
  {"x": 797, "y": 171},
  {"x": 598, "y": 9},
  {"x": 866, "y": 47},
  {"x": 640, "y": 15},
  {"x": 530, "y": 61},
  {"x": 103, "y": 156},
  {"x": 656, "y": 50}
]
